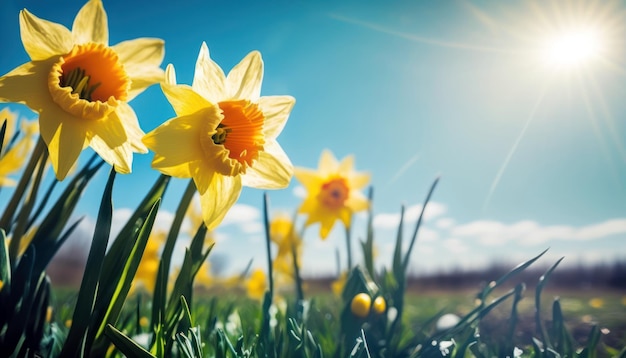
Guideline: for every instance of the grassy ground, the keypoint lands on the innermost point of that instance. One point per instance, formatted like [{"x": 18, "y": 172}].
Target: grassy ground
[{"x": 581, "y": 309}]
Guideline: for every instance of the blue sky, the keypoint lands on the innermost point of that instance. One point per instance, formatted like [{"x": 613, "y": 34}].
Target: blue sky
[{"x": 530, "y": 156}]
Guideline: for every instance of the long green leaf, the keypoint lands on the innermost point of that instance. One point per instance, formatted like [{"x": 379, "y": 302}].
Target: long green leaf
[
  {"x": 86, "y": 296},
  {"x": 407, "y": 255},
  {"x": 108, "y": 311},
  {"x": 126, "y": 345}
]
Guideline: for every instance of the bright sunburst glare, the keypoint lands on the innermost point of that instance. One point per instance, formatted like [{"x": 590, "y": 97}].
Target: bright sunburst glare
[{"x": 573, "y": 48}]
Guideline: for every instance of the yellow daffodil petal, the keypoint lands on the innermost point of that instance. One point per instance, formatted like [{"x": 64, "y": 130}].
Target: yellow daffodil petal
[
  {"x": 345, "y": 215},
  {"x": 185, "y": 100},
  {"x": 276, "y": 110},
  {"x": 120, "y": 157},
  {"x": 134, "y": 133},
  {"x": 90, "y": 24},
  {"x": 43, "y": 39},
  {"x": 107, "y": 137},
  {"x": 222, "y": 194},
  {"x": 309, "y": 178},
  {"x": 170, "y": 75},
  {"x": 141, "y": 58},
  {"x": 359, "y": 180},
  {"x": 328, "y": 163},
  {"x": 346, "y": 165},
  {"x": 208, "y": 79},
  {"x": 326, "y": 224},
  {"x": 65, "y": 141},
  {"x": 4, "y": 181},
  {"x": 202, "y": 175},
  {"x": 176, "y": 141},
  {"x": 271, "y": 170},
  {"x": 24, "y": 85},
  {"x": 244, "y": 80},
  {"x": 357, "y": 201}
]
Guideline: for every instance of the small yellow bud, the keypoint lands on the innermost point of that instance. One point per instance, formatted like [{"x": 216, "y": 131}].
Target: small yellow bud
[
  {"x": 360, "y": 305},
  {"x": 379, "y": 305}
]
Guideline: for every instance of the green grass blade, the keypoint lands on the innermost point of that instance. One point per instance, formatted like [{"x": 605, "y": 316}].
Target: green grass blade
[
  {"x": 538, "y": 322},
  {"x": 5, "y": 263},
  {"x": 407, "y": 255},
  {"x": 115, "y": 292},
  {"x": 126, "y": 345},
  {"x": 89, "y": 285}
]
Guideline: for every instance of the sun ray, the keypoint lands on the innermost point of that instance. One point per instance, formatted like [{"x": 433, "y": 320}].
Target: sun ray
[
  {"x": 513, "y": 149},
  {"x": 597, "y": 130},
  {"x": 402, "y": 169},
  {"x": 416, "y": 38}
]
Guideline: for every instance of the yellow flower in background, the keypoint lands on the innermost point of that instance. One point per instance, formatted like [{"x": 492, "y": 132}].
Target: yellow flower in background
[
  {"x": 149, "y": 265},
  {"x": 203, "y": 277},
  {"x": 282, "y": 233},
  {"x": 256, "y": 285},
  {"x": 333, "y": 192},
  {"x": 596, "y": 302},
  {"x": 80, "y": 86},
  {"x": 224, "y": 135},
  {"x": 338, "y": 285},
  {"x": 13, "y": 158}
]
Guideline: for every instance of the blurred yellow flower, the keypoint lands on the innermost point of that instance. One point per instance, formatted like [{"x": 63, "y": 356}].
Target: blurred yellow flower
[
  {"x": 80, "y": 86},
  {"x": 14, "y": 157},
  {"x": 149, "y": 265},
  {"x": 338, "y": 285},
  {"x": 203, "y": 277},
  {"x": 256, "y": 285},
  {"x": 1, "y": 285},
  {"x": 596, "y": 302},
  {"x": 333, "y": 192},
  {"x": 224, "y": 135},
  {"x": 282, "y": 233}
]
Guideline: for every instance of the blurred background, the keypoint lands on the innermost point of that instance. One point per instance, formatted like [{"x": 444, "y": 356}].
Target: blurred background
[{"x": 518, "y": 106}]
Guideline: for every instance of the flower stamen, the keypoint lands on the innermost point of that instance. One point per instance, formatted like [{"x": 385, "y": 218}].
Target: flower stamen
[
  {"x": 78, "y": 80},
  {"x": 221, "y": 132},
  {"x": 334, "y": 193}
]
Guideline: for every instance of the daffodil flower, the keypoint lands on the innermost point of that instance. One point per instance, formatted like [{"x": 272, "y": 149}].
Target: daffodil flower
[
  {"x": 80, "y": 86},
  {"x": 12, "y": 158},
  {"x": 333, "y": 192},
  {"x": 224, "y": 135},
  {"x": 283, "y": 234}
]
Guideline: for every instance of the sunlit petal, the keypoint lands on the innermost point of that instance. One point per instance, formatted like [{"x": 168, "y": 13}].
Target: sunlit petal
[
  {"x": 276, "y": 110},
  {"x": 186, "y": 101},
  {"x": 175, "y": 141},
  {"x": 222, "y": 195},
  {"x": 23, "y": 85},
  {"x": 43, "y": 39},
  {"x": 90, "y": 24},
  {"x": 272, "y": 170},
  {"x": 65, "y": 140},
  {"x": 209, "y": 80},
  {"x": 244, "y": 80}
]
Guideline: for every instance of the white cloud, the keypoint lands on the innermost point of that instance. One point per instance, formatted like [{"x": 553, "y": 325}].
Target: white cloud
[
  {"x": 411, "y": 214},
  {"x": 241, "y": 214},
  {"x": 445, "y": 223},
  {"x": 299, "y": 192},
  {"x": 494, "y": 233}
]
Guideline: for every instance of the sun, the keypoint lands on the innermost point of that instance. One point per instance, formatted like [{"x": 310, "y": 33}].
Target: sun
[{"x": 572, "y": 48}]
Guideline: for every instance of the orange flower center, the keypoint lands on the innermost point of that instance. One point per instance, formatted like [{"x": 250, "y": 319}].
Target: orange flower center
[
  {"x": 99, "y": 68},
  {"x": 89, "y": 81},
  {"x": 334, "y": 193},
  {"x": 240, "y": 132}
]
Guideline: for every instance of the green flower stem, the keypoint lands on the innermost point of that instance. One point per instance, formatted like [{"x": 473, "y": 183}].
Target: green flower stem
[
  {"x": 168, "y": 249},
  {"x": 21, "y": 225},
  {"x": 349, "y": 246},
  {"x": 9, "y": 211},
  {"x": 270, "y": 272}
]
